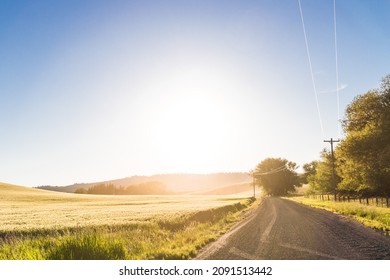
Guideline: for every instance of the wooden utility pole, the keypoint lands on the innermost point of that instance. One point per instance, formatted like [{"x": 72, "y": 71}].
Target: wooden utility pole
[
  {"x": 254, "y": 187},
  {"x": 254, "y": 174},
  {"x": 331, "y": 141}
]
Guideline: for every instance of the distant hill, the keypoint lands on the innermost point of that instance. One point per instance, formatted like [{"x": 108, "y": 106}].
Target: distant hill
[
  {"x": 178, "y": 183},
  {"x": 231, "y": 189},
  {"x": 11, "y": 193},
  {"x": 5, "y": 189}
]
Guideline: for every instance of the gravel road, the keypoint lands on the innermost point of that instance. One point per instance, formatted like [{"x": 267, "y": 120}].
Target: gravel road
[{"x": 282, "y": 229}]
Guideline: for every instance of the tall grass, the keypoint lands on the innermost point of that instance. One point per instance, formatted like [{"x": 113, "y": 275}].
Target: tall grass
[
  {"x": 369, "y": 215},
  {"x": 91, "y": 246},
  {"x": 176, "y": 237}
]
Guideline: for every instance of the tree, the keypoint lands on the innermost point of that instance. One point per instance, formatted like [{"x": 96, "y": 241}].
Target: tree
[
  {"x": 364, "y": 154},
  {"x": 321, "y": 180},
  {"x": 81, "y": 191},
  {"x": 277, "y": 176},
  {"x": 102, "y": 189},
  {"x": 351, "y": 172},
  {"x": 309, "y": 170},
  {"x": 151, "y": 187}
]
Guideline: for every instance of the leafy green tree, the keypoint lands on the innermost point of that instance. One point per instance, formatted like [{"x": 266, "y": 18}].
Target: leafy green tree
[
  {"x": 309, "y": 170},
  {"x": 363, "y": 157},
  {"x": 277, "y": 176},
  {"x": 321, "y": 180},
  {"x": 351, "y": 172}
]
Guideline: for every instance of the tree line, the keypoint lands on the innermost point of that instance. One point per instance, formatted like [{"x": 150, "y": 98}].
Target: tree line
[
  {"x": 362, "y": 158},
  {"x": 148, "y": 188}
]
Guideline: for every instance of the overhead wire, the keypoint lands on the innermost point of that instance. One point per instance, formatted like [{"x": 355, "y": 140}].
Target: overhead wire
[
  {"x": 311, "y": 69},
  {"x": 276, "y": 170},
  {"x": 337, "y": 68}
]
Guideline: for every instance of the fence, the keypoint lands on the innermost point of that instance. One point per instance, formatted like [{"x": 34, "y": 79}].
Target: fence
[{"x": 376, "y": 201}]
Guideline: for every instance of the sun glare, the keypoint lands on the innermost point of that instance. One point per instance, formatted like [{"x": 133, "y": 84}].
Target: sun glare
[
  {"x": 191, "y": 121},
  {"x": 191, "y": 127}
]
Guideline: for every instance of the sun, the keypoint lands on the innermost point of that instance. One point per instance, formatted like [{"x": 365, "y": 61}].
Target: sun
[
  {"x": 187, "y": 113},
  {"x": 190, "y": 131},
  {"x": 191, "y": 120}
]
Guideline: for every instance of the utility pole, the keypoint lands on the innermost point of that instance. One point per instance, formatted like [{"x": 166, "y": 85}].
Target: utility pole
[
  {"x": 331, "y": 141},
  {"x": 254, "y": 187},
  {"x": 254, "y": 174}
]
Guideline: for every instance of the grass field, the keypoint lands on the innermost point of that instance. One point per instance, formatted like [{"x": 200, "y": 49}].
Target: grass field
[
  {"x": 369, "y": 215},
  {"x": 38, "y": 224}
]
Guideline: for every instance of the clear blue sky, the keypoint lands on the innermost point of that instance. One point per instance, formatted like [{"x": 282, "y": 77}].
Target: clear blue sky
[{"x": 98, "y": 90}]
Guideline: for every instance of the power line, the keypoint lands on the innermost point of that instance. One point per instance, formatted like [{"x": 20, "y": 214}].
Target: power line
[
  {"x": 276, "y": 170},
  {"x": 311, "y": 69}
]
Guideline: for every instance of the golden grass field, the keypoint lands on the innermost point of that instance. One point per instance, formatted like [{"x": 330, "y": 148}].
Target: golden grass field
[
  {"x": 40, "y": 224},
  {"x": 26, "y": 208}
]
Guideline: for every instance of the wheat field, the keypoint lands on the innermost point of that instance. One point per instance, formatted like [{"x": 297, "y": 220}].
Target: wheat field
[
  {"x": 25, "y": 208},
  {"x": 38, "y": 224}
]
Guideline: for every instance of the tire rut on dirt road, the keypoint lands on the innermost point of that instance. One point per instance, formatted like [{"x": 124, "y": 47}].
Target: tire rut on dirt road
[{"x": 282, "y": 229}]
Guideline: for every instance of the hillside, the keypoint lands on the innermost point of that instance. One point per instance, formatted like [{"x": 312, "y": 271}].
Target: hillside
[
  {"x": 11, "y": 193},
  {"x": 231, "y": 189},
  {"x": 178, "y": 183},
  {"x": 8, "y": 190}
]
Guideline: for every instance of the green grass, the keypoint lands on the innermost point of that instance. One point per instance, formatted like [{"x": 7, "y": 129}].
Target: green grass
[
  {"x": 91, "y": 246},
  {"x": 369, "y": 215},
  {"x": 38, "y": 224}
]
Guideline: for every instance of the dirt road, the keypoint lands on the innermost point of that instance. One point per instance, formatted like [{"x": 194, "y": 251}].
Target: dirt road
[{"x": 282, "y": 229}]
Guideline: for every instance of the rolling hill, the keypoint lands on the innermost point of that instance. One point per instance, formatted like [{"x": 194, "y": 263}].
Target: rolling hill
[
  {"x": 178, "y": 183},
  {"x": 13, "y": 193},
  {"x": 231, "y": 189}
]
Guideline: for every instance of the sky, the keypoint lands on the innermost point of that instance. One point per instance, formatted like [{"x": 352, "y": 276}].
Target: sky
[{"x": 100, "y": 90}]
